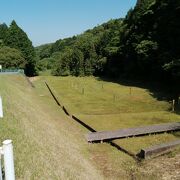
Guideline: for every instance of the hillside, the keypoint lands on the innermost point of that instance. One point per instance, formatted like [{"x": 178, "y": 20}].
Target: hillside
[
  {"x": 143, "y": 45},
  {"x": 86, "y": 54},
  {"x": 47, "y": 145},
  {"x": 122, "y": 76}
]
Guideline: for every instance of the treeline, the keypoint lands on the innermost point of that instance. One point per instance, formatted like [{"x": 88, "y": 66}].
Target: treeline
[
  {"x": 16, "y": 50},
  {"x": 145, "y": 44},
  {"x": 86, "y": 54}
]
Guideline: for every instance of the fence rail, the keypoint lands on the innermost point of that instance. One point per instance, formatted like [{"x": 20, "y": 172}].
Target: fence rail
[{"x": 11, "y": 71}]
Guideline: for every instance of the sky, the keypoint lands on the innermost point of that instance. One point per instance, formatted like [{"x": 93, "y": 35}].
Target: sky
[{"x": 46, "y": 21}]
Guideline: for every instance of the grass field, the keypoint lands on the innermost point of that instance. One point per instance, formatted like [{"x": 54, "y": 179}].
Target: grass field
[
  {"x": 49, "y": 145},
  {"x": 109, "y": 106}
]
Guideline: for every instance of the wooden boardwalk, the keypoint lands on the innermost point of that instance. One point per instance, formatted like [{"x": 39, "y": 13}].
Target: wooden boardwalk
[
  {"x": 138, "y": 131},
  {"x": 157, "y": 150}
]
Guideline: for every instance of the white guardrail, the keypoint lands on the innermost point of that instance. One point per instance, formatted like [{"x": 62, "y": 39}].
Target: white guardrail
[{"x": 6, "y": 153}]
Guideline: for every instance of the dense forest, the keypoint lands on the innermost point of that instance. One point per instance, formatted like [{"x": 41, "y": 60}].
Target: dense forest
[
  {"x": 145, "y": 45},
  {"x": 16, "y": 50},
  {"x": 94, "y": 52}
]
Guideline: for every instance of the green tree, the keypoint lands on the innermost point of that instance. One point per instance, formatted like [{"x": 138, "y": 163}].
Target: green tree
[
  {"x": 3, "y": 32},
  {"x": 62, "y": 64},
  {"x": 17, "y": 38},
  {"x": 76, "y": 63},
  {"x": 44, "y": 51},
  {"x": 146, "y": 53},
  {"x": 11, "y": 58}
]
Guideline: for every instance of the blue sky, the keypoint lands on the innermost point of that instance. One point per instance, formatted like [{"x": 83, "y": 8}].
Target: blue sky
[{"x": 46, "y": 21}]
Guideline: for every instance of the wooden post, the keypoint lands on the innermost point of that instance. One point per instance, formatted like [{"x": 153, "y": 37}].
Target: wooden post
[
  {"x": 102, "y": 86},
  {"x": 173, "y": 105},
  {"x": 130, "y": 90}
]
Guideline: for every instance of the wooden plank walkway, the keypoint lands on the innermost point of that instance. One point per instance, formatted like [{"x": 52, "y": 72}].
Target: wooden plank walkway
[
  {"x": 138, "y": 131},
  {"x": 157, "y": 150}
]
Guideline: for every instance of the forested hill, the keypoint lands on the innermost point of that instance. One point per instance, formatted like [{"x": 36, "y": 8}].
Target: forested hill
[
  {"x": 145, "y": 44},
  {"x": 16, "y": 50},
  {"x": 85, "y": 54}
]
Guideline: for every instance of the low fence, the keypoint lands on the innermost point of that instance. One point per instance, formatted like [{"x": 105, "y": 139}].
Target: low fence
[
  {"x": 11, "y": 71},
  {"x": 6, "y": 152}
]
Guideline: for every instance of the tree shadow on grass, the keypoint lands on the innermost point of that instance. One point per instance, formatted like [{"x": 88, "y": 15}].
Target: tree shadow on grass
[{"x": 156, "y": 89}]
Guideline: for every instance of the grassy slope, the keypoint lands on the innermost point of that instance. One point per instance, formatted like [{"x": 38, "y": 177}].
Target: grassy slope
[{"x": 46, "y": 144}]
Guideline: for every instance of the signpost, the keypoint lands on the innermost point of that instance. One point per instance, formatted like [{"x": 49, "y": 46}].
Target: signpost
[{"x": 1, "y": 108}]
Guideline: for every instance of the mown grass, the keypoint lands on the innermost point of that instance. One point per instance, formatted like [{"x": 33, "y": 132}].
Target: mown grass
[
  {"x": 110, "y": 106},
  {"x": 46, "y": 143},
  {"x": 49, "y": 145},
  {"x": 95, "y": 97}
]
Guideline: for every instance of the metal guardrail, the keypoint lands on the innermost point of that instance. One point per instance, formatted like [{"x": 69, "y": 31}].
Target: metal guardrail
[{"x": 12, "y": 71}]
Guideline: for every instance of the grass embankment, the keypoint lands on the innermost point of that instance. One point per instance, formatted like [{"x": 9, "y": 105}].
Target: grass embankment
[
  {"x": 49, "y": 145},
  {"x": 46, "y": 144}
]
